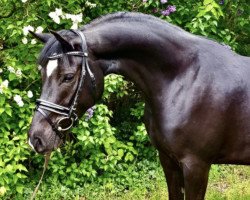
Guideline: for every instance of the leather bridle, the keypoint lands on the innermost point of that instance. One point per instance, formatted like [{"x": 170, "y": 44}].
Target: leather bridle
[{"x": 68, "y": 113}]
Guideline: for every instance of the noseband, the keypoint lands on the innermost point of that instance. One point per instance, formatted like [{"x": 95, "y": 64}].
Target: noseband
[{"x": 68, "y": 113}]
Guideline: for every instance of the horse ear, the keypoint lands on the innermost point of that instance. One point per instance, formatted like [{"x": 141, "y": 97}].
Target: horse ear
[
  {"x": 43, "y": 37},
  {"x": 62, "y": 40}
]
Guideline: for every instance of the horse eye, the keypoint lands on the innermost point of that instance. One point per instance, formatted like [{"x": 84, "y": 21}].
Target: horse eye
[{"x": 68, "y": 77}]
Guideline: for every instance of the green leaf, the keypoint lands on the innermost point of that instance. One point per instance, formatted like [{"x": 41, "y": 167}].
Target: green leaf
[
  {"x": 19, "y": 189},
  {"x": 215, "y": 23},
  {"x": 228, "y": 37},
  {"x": 209, "y": 8},
  {"x": 10, "y": 26},
  {"x": 215, "y": 13},
  {"x": 82, "y": 137},
  {"x": 22, "y": 168},
  {"x": 201, "y": 13},
  {"x": 206, "y": 2},
  {"x": 12, "y": 76},
  {"x": 1, "y": 110},
  {"x": 207, "y": 17},
  {"x": 21, "y": 123},
  {"x": 2, "y": 100},
  {"x": 120, "y": 152},
  {"x": 9, "y": 111},
  {"x": 129, "y": 157}
]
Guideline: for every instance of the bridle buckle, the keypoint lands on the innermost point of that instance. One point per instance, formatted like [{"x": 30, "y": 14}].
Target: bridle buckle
[{"x": 62, "y": 120}]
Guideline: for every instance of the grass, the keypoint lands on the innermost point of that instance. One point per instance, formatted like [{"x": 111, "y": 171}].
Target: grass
[
  {"x": 229, "y": 182},
  {"x": 226, "y": 182}
]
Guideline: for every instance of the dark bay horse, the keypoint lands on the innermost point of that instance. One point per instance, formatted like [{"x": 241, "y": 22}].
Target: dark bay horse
[{"x": 197, "y": 92}]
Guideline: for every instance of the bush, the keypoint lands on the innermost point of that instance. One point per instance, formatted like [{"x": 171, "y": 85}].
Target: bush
[{"x": 113, "y": 143}]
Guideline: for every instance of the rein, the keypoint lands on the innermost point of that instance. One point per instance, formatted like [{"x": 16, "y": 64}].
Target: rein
[
  {"x": 68, "y": 113},
  {"x": 46, "y": 162}
]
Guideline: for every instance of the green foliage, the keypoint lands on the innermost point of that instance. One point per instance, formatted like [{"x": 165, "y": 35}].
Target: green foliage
[
  {"x": 113, "y": 144},
  {"x": 210, "y": 6},
  {"x": 225, "y": 182},
  {"x": 226, "y": 21}
]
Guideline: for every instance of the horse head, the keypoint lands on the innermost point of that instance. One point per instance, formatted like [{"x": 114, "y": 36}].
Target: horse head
[{"x": 71, "y": 83}]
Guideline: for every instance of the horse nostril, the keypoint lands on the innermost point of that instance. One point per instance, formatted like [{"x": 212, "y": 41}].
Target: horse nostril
[{"x": 39, "y": 144}]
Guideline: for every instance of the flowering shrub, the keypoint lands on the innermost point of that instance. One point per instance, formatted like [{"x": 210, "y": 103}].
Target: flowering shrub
[
  {"x": 225, "y": 21},
  {"x": 111, "y": 136},
  {"x": 168, "y": 11},
  {"x": 160, "y": 7},
  {"x": 57, "y": 15}
]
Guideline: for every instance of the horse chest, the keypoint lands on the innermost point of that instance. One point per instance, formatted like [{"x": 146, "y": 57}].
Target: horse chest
[{"x": 159, "y": 131}]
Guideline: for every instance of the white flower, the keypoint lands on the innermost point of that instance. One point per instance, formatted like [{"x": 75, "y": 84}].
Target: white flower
[
  {"x": 79, "y": 17},
  {"x": 74, "y": 18},
  {"x": 57, "y": 20},
  {"x": 20, "y": 103},
  {"x": 39, "y": 67},
  {"x": 26, "y": 29},
  {"x": 2, "y": 191},
  {"x": 18, "y": 100},
  {"x": 58, "y": 12},
  {"x": 33, "y": 41},
  {"x": 29, "y": 94},
  {"x": 11, "y": 69},
  {"x": 68, "y": 16},
  {"x": 24, "y": 1},
  {"x": 24, "y": 40},
  {"x": 19, "y": 73},
  {"x": 52, "y": 14},
  {"x": 5, "y": 84},
  {"x": 74, "y": 26},
  {"x": 89, "y": 4},
  {"x": 55, "y": 17},
  {"x": 1, "y": 70},
  {"x": 39, "y": 29}
]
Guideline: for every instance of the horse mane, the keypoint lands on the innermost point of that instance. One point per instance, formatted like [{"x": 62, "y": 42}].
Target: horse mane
[{"x": 148, "y": 19}]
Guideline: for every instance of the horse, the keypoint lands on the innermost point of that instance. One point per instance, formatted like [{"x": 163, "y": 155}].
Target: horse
[{"x": 197, "y": 92}]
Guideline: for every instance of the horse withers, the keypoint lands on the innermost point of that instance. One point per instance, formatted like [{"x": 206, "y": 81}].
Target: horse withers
[{"x": 197, "y": 92}]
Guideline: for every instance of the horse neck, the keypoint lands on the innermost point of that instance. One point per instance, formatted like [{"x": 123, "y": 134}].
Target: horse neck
[{"x": 145, "y": 53}]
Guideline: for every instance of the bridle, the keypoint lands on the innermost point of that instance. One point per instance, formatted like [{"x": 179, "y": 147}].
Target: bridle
[{"x": 68, "y": 113}]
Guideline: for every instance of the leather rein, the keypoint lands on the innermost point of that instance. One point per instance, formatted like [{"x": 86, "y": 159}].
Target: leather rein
[{"x": 68, "y": 113}]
